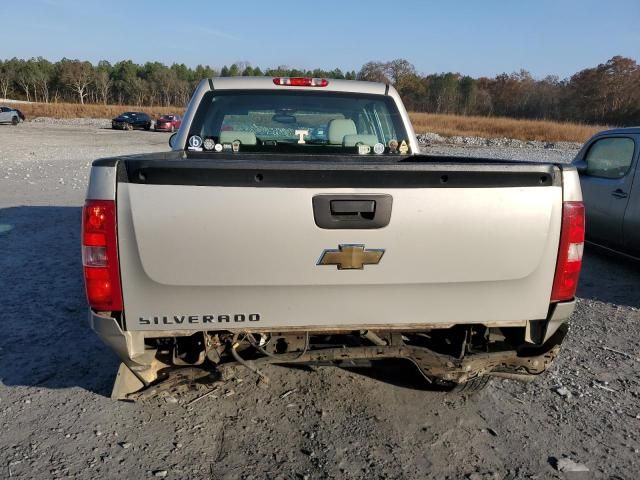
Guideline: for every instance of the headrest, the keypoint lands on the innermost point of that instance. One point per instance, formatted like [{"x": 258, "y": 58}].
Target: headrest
[{"x": 338, "y": 128}]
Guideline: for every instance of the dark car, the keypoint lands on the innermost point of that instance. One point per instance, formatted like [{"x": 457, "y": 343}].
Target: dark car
[
  {"x": 608, "y": 164},
  {"x": 131, "y": 120},
  {"x": 168, "y": 123},
  {"x": 11, "y": 115}
]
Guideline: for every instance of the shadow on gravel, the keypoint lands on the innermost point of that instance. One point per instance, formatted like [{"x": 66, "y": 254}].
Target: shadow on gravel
[
  {"x": 398, "y": 372},
  {"x": 46, "y": 341},
  {"x": 609, "y": 278}
]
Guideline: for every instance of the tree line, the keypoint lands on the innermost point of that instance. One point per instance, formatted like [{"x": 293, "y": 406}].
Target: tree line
[
  {"x": 608, "y": 93},
  {"x": 125, "y": 82}
]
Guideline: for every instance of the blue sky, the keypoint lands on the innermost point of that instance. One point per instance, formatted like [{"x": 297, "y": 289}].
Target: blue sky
[{"x": 472, "y": 37}]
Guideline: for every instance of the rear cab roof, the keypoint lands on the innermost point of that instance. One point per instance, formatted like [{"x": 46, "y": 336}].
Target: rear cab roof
[{"x": 266, "y": 83}]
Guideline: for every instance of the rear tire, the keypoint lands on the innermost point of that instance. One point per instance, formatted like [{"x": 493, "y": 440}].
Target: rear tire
[
  {"x": 15, "y": 121},
  {"x": 147, "y": 127},
  {"x": 471, "y": 387}
]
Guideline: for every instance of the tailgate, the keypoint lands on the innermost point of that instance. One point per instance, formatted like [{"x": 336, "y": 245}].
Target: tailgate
[{"x": 225, "y": 245}]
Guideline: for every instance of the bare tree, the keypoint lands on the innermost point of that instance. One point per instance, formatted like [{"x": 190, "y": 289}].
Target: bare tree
[
  {"x": 42, "y": 76},
  {"x": 24, "y": 77},
  {"x": 5, "y": 82},
  {"x": 7, "y": 76},
  {"x": 103, "y": 85},
  {"x": 78, "y": 76}
]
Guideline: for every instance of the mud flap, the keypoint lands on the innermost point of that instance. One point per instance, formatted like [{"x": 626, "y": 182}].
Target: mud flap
[{"x": 126, "y": 382}]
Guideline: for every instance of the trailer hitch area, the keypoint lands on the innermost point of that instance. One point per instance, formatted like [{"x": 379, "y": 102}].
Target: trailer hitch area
[{"x": 523, "y": 363}]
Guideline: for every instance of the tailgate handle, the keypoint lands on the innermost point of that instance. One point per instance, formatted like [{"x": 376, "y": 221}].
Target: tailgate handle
[
  {"x": 352, "y": 211},
  {"x": 353, "y": 207}
]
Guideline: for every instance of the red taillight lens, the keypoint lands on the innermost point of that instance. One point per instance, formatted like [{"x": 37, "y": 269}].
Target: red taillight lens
[
  {"x": 301, "y": 82},
  {"x": 100, "y": 255},
  {"x": 569, "y": 263}
]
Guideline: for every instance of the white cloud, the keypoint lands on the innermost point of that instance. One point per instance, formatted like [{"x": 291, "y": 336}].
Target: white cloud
[{"x": 210, "y": 31}]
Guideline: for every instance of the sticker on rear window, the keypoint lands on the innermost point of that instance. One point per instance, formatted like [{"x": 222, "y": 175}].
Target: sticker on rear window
[
  {"x": 300, "y": 134},
  {"x": 364, "y": 149},
  {"x": 195, "y": 143},
  {"x": 209, "y": 144}
]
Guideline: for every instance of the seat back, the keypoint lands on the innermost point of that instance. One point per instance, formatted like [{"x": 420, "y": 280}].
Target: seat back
[{"x": 339, "y": 128}]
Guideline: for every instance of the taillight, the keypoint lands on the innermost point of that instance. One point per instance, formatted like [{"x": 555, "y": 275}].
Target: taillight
[
  {"x": 569, "y": 263},
  {"x": 100, "y": 255},
  {"x": 301, "y": 82}
]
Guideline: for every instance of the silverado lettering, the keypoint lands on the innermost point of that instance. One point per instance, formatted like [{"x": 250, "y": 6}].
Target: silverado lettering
[{"x": 204, "y": 319}]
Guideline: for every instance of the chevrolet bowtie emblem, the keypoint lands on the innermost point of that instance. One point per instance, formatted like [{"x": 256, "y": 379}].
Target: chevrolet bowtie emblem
[{"x": 351, "y": 257}]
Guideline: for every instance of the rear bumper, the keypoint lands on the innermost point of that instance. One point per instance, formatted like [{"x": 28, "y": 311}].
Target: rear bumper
[
  {"x": 544, "y": 335},
  {"x": 523, "y": 364},
  {"x": 128, "y": 346},
  {"x": 559, "y": 314}
]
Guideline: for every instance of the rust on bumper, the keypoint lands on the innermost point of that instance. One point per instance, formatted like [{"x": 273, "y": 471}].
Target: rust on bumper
[{"x": 432, "y": 365}]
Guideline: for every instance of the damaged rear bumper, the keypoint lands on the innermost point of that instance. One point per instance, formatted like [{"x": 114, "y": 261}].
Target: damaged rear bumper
[
  {"x": 140, "y": 365},
  {"x": 521, "y": 365}
]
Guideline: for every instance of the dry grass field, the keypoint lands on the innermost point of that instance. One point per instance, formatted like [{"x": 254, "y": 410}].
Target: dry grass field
[
  {"x": 443, "y": 124},
  {"x": 499, "y": 127},
  {"x": 75, "y": 110}
]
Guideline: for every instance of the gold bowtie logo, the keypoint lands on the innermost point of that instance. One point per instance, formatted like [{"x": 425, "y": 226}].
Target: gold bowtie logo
[{"x": 351, "y": 257}]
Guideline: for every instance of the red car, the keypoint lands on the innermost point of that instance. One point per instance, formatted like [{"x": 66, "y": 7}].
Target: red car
[{"x": 168, "y": 123}]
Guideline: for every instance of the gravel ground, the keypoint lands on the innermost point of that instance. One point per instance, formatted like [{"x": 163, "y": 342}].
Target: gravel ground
[
  {"x": 57, "y": 421},
  {"x": 505, "y": 150}
]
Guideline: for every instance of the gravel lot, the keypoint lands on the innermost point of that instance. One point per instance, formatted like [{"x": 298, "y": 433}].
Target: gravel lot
[{"x": 57, "y": 421}]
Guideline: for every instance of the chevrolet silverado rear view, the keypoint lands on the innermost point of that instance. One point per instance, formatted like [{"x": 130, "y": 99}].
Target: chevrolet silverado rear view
[{"x": 295, "y": 221}]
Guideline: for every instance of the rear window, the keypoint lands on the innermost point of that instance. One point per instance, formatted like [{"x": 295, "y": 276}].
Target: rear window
[{"x": 299, "y": 121}]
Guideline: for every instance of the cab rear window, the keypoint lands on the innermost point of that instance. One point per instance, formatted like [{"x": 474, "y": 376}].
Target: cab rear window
[{"x": 299, "y": 120}]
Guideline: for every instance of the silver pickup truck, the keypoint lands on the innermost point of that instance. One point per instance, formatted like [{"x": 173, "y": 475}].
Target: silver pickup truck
[{"x": 295, "y": 221}]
